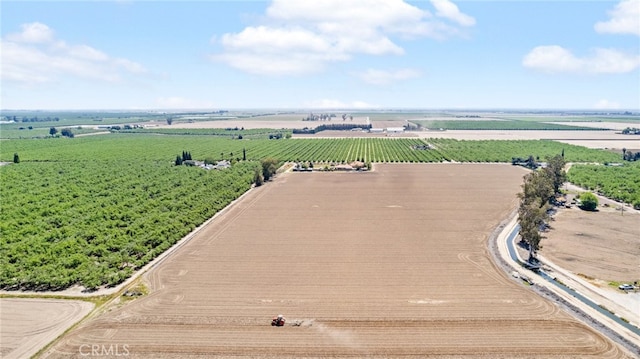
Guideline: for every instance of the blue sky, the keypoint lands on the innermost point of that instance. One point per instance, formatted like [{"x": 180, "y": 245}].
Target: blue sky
[{"x": 294, "y": 54}]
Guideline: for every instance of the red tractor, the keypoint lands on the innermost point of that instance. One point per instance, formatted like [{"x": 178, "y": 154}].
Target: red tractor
[{"x": 278, "y": 321}]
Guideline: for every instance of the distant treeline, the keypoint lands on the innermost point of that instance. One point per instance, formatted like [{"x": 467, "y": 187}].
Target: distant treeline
[
  {"x": 32, "y": 119},
  {"x": 333, "y": 126},
  {"x": 498, "y": 125},
  {"x": 231, "y": 132}
]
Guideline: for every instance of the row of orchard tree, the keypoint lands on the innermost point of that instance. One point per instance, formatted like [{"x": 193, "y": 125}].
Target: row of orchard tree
[
  {"x": 538, "y": 193},
  {"x": 66, "y": 132},
  {"x": 630, "y": 156}
]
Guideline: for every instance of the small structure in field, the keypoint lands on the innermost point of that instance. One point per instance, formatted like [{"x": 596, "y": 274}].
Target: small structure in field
[
  {"x": 358, "y": 165},
  {"x": 220, "y": 165},
  {"x": 343, "y": 167},
  {"x": 303, "y": 167}
]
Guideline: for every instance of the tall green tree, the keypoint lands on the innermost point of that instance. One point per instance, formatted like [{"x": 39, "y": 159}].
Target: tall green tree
[
  {"x": 269, "y": 168},
  {"x": 537, "y": 189},
  {"x": 257, "y": 178},
  {"x": 53, "y": 131},
  {"x": 67, "y": 133},
  {"x": 555, "y": 170},
  {"x": 531, "y": 219}
]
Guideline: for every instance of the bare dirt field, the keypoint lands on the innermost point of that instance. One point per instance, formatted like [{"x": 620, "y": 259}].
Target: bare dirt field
[
  {"x": 239, "y": 123},
  {"x": 354, "y": 134},
  {"x": 274, "y": 121},
  {"x": 600, "y": 248},
  {"x": 387, "y": 123},
  {"x": 619, "y": 126},
  {"x": 614, "y": 145},
  {"x": 27, "y": 325},
  {"x": 603, "y": 244},
  {"x": 390, "y": 263},
  {"x": 612, "y": 140}
]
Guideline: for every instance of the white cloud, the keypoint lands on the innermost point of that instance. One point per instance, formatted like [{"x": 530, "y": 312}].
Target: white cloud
[
  {"x": 606, "y": 105},
  {"x": 279, "y": 39},
  {"x": 274, "y": 64},
  {"x": 556, "y": 59},
  {"x": 131, "y": 66},
  {"x": 382, "y": 77},
  {"x": 35, "y": 56},
  {"x": 357, "y": 16},
  {"x": 182, "y": 103},
  {"x": 277, "y": 51},
  {"x": 32, "y": 33},
  {"x": 449, "y": 10},
  {"x": 624, "y": 19},
  {"x": 337, "y": 104},
  {"x": 298, "y": 36},
  {"x": 87, "y": 53}
]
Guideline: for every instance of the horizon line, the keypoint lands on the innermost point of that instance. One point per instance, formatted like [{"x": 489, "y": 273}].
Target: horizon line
[{"x": 306, "y": 109}]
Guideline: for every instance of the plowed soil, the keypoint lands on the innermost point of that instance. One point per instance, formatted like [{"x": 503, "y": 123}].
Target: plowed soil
[
  {"x": 390, "y": 263},
  {"x": 27, "y": 325}
]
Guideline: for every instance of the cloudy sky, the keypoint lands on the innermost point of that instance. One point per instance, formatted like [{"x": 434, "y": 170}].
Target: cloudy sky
[{"x": 290, "y": 54}]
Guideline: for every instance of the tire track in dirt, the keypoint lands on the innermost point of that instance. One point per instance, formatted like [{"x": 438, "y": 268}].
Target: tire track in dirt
[{"x": 28, "y": 324}]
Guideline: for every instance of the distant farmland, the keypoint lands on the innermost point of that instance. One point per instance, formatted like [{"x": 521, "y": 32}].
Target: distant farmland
[
  {"x": 145, "y": 147},
  {"x": 481, "y": 124}
]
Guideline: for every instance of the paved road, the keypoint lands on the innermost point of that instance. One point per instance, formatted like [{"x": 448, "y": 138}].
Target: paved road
[
  {"x": 551, "y": 279},
  {"x": 626, "y": 332}
]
